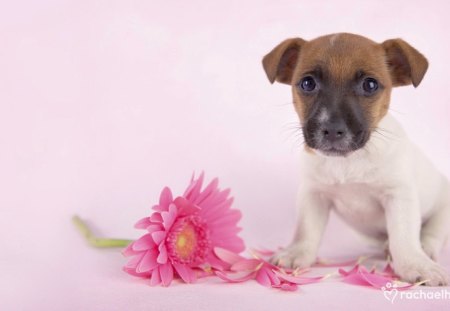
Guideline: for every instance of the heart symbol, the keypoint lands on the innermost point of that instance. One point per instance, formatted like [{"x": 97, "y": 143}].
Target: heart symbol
[{"x": 390, "y": 294}]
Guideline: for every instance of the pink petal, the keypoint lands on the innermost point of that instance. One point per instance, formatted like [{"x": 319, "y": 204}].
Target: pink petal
[
  {"x": 185, "y": 272},
  {"x": 376, "y": 280},
  {"x": 360, "y": 276},
  {"x": 154, "y": 227},
  {"x": 216, "y": 199},
  {"x": 355, "y": 279},
  {"x": 166, "y": 272},
  {"x": 263, "y": 279},
  {"x": 233, "y": 243},
  {"x": 148, "y": 262},
  {"x": 246, "y": 265},
  {"x": 156, "y": 217},
  {"x": 158, "y": 208},
  {"x": 169, "y": 216},
  {"x": 298, "y": 279},
  {"x": 231, "y": 218},
  {"x": 128, "y": 251},
  {"x": 200, "y": 273},
  {"x": 145, "y": 242},
  {"x": 354, "y": 270},
  {"x": 165, "y": 198},
  {"x": 209, "y": 211},
  {"x": 158, "y": 236},
  {"x": 143, "y": 223},
  {"x": 274, "y": 279},
  {"x": 217, "y": 263},
  {"x": 185, "y": 207},
  {"x": 155, "y": 278},
  {"x": 133, "y": 262},
  {"x": 134, "y": 273},
  {"x": 227, "y": 256},
  {"x": 237, "y": 278},
  {"x": 193, "y": 190},
  {"x": 207, "y": 191},
  {"x": 286, "y": 286},
  {"x": 162, "y": 257}
]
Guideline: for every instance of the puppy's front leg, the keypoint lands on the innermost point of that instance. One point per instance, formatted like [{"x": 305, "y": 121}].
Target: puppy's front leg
[
  {"x": 313, "y": 215},
  {"x": 403, "y": 225}
]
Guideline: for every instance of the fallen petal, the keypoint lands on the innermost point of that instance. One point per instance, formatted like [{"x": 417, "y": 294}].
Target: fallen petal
[
  {"x": 286, "y": 286},
  {"x": 246, "y": 265},
  {"x": 300, "y": 280},
  {"x": 235, "y": 278},
  {"x": 227, "y": 256},
  {"x": 263, "y": 279}
]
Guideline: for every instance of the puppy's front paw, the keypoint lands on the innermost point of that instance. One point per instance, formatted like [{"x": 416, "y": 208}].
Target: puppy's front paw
[
  {"x": 294, "y": 256},
  {"x": 421, "y": 268}
]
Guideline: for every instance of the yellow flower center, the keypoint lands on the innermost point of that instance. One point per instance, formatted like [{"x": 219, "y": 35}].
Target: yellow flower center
[{"x": 186, "y": 241}]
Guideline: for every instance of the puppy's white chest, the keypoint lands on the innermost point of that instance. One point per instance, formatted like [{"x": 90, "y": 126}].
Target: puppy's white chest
[
  {"x": 358, "y": 205},
  {"x": 353, "y": 188},
  {"x": 340, "y": 171}
]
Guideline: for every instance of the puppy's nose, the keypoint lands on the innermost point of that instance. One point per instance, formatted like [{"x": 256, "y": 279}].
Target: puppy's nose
[{"x": 334, "y": 131}]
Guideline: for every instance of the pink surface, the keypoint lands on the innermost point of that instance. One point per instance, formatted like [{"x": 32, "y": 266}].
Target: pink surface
[{"x": 105, "y": 102}]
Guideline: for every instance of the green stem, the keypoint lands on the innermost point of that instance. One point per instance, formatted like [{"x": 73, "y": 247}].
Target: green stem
[{"x": 96, "y": 241}]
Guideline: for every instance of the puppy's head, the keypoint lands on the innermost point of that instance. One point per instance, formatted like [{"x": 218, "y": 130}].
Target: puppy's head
[{"x": 341, "y": 85}]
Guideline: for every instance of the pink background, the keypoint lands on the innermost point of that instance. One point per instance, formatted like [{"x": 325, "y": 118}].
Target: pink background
[{"x": 105, "y": 102}]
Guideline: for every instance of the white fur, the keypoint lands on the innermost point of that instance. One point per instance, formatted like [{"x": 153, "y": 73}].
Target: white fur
[
  {"x": 324, "y": 116},
  {"x": 387, "y": 189}
]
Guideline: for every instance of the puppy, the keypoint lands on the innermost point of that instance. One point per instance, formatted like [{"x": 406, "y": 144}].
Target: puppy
[{"x": 381, "y": 185}]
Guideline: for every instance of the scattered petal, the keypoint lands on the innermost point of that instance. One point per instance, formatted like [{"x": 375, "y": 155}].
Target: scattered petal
[
  {"x": 236, "y": 277},
  {"x": 246, "y": 265},
  {"x": 300, "y": 280},
  {"x": 227, "y": 256},
  {"x": 263, "y": 278}
]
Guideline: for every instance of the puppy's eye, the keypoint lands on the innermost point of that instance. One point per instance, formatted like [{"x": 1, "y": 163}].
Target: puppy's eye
[
  {"x": 308, "y": 84},
  {"x": 370, "y": 85}
]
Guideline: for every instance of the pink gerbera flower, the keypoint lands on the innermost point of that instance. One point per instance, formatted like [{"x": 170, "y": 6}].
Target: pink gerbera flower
[{"x": 182, "y": 234}]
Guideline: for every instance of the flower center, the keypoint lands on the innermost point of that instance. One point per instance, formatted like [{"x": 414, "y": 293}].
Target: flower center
[{"x": 188, "y": 241}]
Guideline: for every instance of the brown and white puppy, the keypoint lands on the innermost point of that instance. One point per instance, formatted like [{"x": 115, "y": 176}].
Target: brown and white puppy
[{"x": 385, "y": 188}]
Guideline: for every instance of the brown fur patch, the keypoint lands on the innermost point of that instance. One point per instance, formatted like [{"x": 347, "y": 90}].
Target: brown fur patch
[
  {"x": 338, "y": 59},
  {"x": 340, "y": 62}
]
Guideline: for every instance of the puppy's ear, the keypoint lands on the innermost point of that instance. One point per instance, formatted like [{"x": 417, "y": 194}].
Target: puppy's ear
[
  {"x": 406, "y": 64},
  {"x": 280, "y": 63}
]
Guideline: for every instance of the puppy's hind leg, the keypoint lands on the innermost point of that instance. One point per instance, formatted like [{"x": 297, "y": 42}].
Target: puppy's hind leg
[{"x": 435, "y": 230}]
